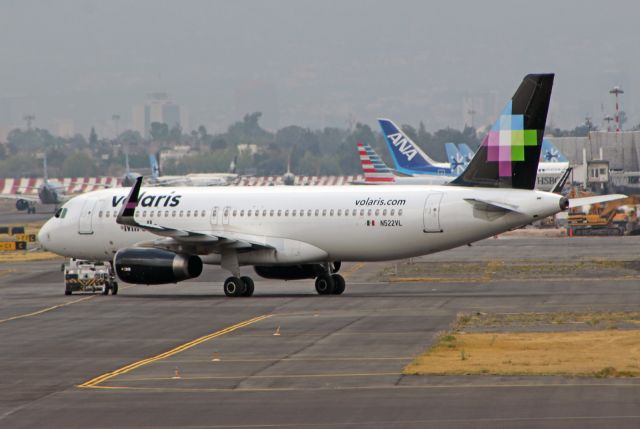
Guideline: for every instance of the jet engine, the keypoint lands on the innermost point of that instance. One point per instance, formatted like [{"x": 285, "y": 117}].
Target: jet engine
[
  {"x": 293, "y": 272},
  {"x": 155, "y": 266},
  {"x": 22, "y": 205}
]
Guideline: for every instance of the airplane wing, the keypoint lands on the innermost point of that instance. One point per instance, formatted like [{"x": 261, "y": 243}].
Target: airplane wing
[
  {"x": 172, "y": 237},
  {"x": 32, "y": 198}
]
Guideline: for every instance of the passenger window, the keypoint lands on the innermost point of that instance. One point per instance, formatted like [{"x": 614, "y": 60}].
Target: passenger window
[
  {"x": 301, "y": 213},
  {"x": 339, "y": 212},
  {"x": 235, "y": 212},
  {"x": 293, "y": 213},
  {"x": 166, "y": 213},
  {"x": 271, "y": 213},
  {"x": 400, "y": 212},
  {"x": 384, "y": 212},
  {"x": 136, "y": 213},
  {"x": 241, "y": 213},
  {"x": 309, "y": 213},
  {"x": 203, "y": 213},
  {"x": 181, "y": 213},
  {"x": 99, "y": 213},
  {"x": 346, "y": 212},
  {"x": 188, "y": 213},
  {"x": 331, "y": 212},
  {"x": 264, "y": 213},
  {"x": 369, "y": 212},
  {"x": 107, "y": 213},
  {"x": 248, "y": 213},
  {"x": 173, "y": 213},
  {"x": 286, "y": 212},
  {"x": 393, "y": 212},
  {"x": 324, "y": 212},
  {"x": 144, "y": 213},
  {"x": 377, "y": 212},
  {"x": 361, "y": 212},
  {"x": 279, "y": 213},
  {"x": 354, "y": 212}
]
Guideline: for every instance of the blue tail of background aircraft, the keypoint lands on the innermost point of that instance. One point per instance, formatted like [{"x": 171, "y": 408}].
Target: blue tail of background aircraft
[
  {"x": 456, "y": 159},
  {"x": 155, "y": 167},
  {"x": 407, "y": 156},
  {"x": 466, "y": 152},
  {"x": 550, "y": 153}
]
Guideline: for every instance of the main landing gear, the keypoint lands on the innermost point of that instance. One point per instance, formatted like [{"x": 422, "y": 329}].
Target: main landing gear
[
  {"x": 330, "y": 283},
  {"x": 239, "y": 286}
]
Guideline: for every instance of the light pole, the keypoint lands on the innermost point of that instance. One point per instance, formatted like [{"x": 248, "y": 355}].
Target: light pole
[
  {"x": 608, "y": 120},
  {"x": 29, "y": 118},
  {"x": 616, "y": 90}
]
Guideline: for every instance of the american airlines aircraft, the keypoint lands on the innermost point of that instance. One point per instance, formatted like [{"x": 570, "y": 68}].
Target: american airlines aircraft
[{"x": 164, "y": 235}]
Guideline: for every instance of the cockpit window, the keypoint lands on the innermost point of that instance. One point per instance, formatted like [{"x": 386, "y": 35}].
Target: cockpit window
[{"x": 61, "y": 213}]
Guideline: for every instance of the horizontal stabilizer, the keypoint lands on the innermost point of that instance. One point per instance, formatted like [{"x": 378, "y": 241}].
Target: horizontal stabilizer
[
  {"x": 494, "y": 205},
  {"x": 587, "y": 201}
]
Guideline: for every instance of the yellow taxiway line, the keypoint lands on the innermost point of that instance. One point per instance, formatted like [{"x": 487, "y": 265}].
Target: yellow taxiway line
[
  {"x": 45, "y": 310},
  {"x": 104, "y": 377}
]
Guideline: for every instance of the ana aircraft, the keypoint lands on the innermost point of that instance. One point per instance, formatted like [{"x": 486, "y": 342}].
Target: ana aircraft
[{"x": 164, "y": 235}]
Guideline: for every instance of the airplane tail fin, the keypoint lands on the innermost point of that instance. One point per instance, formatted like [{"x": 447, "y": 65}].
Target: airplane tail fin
[
  {"x": 155, "y": 167},
  {"x": 374, "y": 168},
  {"x": 455, "y": 158},
  {"x": 509, "y": 154},
  {"x": 407, "y": 156},
  {"x": 559, "y": 186},
  {"x": 550, "y": 153},
  {"x": 466, "y": 151}
]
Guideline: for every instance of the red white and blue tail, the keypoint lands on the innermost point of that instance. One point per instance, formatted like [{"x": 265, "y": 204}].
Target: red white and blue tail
[{"x": 373, "y": 167}]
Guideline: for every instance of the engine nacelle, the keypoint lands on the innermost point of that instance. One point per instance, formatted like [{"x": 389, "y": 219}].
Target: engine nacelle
[
  {"x": 155, "y": 266},
  {"x": 22, "y": 205},
  {"x": 293, "y": 272}
]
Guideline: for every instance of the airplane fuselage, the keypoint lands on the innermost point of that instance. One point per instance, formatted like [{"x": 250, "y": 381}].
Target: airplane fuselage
[{"x": 302, "y": 224}]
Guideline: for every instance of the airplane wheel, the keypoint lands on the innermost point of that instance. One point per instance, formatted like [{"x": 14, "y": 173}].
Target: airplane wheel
[
  {"x": 340, "y": 284},
  {"x": 67, "y": 292},
  {"x": 114, "y": 288},
  {"x": 324, "y": 284},
  {"x": 106, "y": 290},
  {"x": 248, "y": 286},
  {"x": 233, "y": 286}
]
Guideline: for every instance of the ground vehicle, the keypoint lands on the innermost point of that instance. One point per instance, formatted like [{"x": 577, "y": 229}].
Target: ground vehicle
[
  {"x": 605, "y": 219},
  {"x": 86, "y": 276}
]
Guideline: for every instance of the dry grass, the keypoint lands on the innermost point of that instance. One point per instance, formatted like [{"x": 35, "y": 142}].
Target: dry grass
[{"x": 602, "y": 353}]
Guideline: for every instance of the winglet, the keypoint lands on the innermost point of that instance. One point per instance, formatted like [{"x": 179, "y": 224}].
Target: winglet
[
  {"x": 125, "y": 216},
  {"x": 559, "y": 186}
]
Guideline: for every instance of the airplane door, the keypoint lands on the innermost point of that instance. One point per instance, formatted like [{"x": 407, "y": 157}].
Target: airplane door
[
  {"x": 431, "y": 215},
  {"x": 225, "y": 215},
  {"x": 85, "y": 222},
  {"x": 215, "y": 216}
]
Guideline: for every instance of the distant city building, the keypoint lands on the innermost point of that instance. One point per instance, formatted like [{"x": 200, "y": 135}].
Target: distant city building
[
  {"x": 177, "y": 153},
  {"x": 65, "y": 128},
  {"x": 4, "y": 133},
  {"x": 157, "y": 108}
]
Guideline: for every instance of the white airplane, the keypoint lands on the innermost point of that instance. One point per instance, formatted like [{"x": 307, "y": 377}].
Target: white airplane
[
  {"x": 50, "y": 192},
  {"x": 194, "y": 179},
  {"x": 164, "y": 235}
]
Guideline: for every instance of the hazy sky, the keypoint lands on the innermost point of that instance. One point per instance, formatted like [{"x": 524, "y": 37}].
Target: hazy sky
[{"x": 312, "y": 63}]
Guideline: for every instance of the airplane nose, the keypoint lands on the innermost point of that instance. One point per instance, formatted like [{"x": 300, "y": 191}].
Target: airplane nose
[{"x": 44, "y": 235}]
